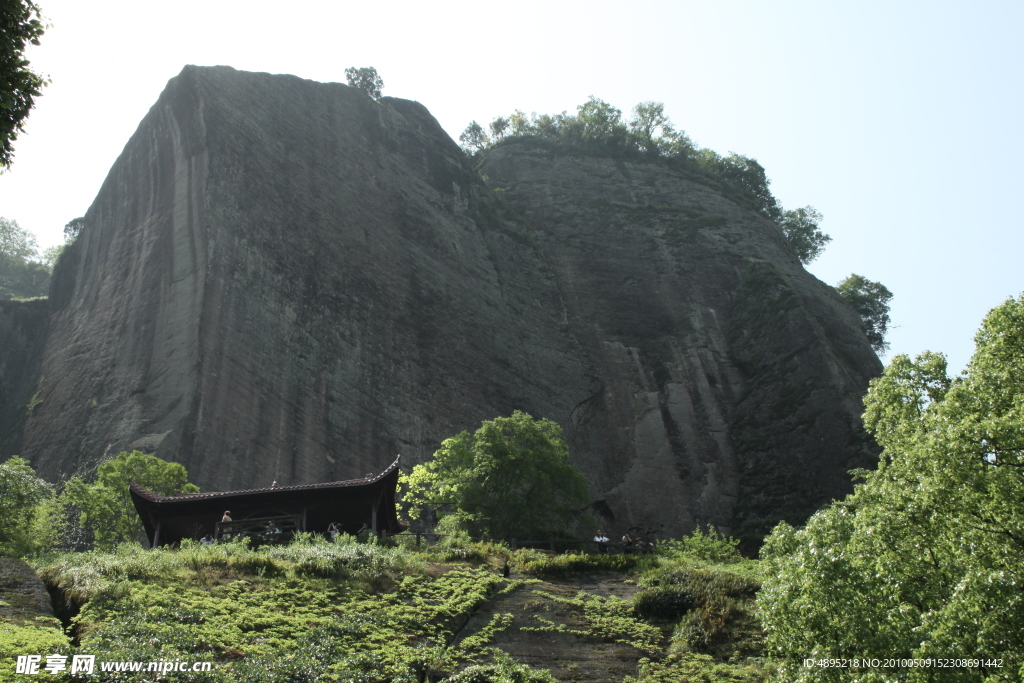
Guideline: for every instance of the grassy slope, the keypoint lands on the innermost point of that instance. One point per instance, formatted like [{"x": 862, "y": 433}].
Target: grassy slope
[{"x": 317, "y": 611}]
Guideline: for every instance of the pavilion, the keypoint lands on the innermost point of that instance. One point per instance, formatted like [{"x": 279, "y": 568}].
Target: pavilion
[{"x": 272, "y": 514}]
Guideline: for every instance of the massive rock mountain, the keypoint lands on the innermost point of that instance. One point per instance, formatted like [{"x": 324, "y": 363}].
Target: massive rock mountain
[{"x": 285, "y": 280}]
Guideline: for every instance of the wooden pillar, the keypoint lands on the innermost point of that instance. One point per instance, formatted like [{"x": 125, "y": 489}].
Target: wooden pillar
[
  {"x": 304, "y": 519},
  {"x": 373, "y": 518},
  {"x": 156, "y": 534}
]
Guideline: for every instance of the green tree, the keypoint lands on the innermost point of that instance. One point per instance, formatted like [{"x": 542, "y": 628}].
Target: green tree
[
  {"x": 73, "y": 228},
  {"x": 596, "y": 123},
  {"x": 510, "y": 479},
  {"x": 50, "y": 255},
  {"x": 597, "y": 128},
  {"x": 474, "y": 138},
  {"x": 519, "y": 123},
  {"x": 19, "y": 85},
  {"x": 105, "y": 503},
  {"x": 499, "y": 128},
  {"x": 24, "y": 499},
  {"x": 366, "y": 79},
  {"x": 16, "y": 242},
  {"x": 871, "y": 301},
  {"x": 800, "y": 227},
  {"x": 20, "y": 274},
  {"x": 653, "y": 131},
  {"x": 926, "y": 557}
]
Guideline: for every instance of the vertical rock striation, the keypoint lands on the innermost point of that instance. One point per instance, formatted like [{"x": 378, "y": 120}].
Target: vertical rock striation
[
  {"x": 728, "y": 378},
  {"x": 285, "y": 280}
]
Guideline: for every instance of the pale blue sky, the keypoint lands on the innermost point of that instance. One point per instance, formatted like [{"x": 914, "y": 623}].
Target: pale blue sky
[{"x": 899, "y": 121}]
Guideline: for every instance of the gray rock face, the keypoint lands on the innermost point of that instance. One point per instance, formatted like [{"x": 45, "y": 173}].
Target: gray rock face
[
  {"x": 285, "y": 280},
  {"x": 728, "y": 379},
  {"x": 23, "y": 595}
]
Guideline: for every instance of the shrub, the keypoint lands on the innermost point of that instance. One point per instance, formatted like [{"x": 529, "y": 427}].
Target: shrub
[
  {"x": 569, "y": 564},
  {"x": 504, "y": 669},
  {"x": 694, "y": 667},
  {"x": 703, "y": 583},
  {"x": 664, "y": 602},
  {"x": 708, "y": 546}
]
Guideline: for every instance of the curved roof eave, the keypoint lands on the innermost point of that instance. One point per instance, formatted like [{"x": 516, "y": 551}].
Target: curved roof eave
[{"x": 149, "y": 496}]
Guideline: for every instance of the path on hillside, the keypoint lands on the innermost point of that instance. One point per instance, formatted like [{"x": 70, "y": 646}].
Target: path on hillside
[{"x": 570, "y": 657}]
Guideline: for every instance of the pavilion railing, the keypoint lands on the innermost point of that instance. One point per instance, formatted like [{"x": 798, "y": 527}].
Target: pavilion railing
[{"x": 271, "y": 529}]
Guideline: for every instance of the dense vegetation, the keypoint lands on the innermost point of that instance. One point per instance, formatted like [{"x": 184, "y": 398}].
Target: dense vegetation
[
  {"x": 925, "y": 561},
  {"x": 91, "y": 511},
  {"x": 598, "y": 128},
  {"x": 350, "y": 611}
]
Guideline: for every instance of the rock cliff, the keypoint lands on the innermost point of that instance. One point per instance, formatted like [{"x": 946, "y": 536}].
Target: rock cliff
[{"x": 282, "y": 279}]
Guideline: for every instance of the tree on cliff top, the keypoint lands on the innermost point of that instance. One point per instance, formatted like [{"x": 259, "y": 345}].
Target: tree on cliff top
[
  {"x": 871, "y": 300},
  {"x": 366, "y": 79},
  {"x": 510, "y": 479},
  {"x": 106, "y": 505},
  {"x": 598, "y": 128},
  {"x": 800, "y": 227},
  {"x": 19, "y": 85},
  {"x": 926, "y": 558}
]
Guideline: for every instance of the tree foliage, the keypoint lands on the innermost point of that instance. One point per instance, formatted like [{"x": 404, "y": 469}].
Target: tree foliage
[
  {"x": 926, "y": 558},
  {"x": 366, "y": 79},
  {"x": 800, "y": 227},
  {"x": 15, "y": 241},
  {"x": 19, "y": 85},
  {"x": 871, "y": 300},
  {"x": 474, "y": 138},
  {"x": 652, "y": 129},
  {"x": 24, "y": 508},
  {"x": 597, "y": 127},
  {"x": 105, "y": 504},
  {"x": 73, "y": 228},
  {"x": 21, "y": 275},
  {"x": 510, "y": 479}
]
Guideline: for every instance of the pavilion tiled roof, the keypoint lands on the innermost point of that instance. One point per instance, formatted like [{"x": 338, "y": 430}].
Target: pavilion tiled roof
[{"x": 149, "y": 495}]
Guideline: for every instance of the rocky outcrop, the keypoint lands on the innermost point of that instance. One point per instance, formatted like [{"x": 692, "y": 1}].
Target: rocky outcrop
[
  {"x": 285, "y": 280},
  {"x": 23, "y": 595},
  {"x": 727, "y": 379}
]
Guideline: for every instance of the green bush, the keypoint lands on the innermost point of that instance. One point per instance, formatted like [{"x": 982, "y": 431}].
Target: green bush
[
  {"x": 40, "y": 637},
  {"x": 27, "y": 512},
  {"x": 504, "y": 669},
  {"x": 707, "y": 546},
  {"x": 571, "y": 563},
  {"x": 666, "y": 603},
  {"x": 678, "y": 668},
  {"x": 704, "y": 583},
  {"x": 716, "y": 606}
]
